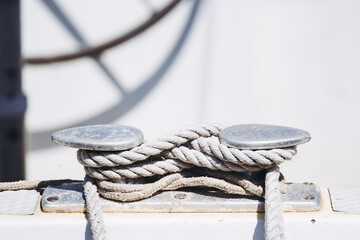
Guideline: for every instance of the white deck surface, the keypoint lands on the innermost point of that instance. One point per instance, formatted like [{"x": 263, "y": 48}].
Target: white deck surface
[{"x": 323, "y": 224}]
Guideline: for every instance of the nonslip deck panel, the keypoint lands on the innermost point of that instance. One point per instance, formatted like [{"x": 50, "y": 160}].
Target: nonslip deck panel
[
  {"x": 21, "y": 202},
  {"x": 345, "y": 200}
]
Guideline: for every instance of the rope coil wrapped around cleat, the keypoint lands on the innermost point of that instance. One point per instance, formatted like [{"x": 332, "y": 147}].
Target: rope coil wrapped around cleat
[
  {"x": 192, "y": 157},
  {"x": 193, "y": 147}
]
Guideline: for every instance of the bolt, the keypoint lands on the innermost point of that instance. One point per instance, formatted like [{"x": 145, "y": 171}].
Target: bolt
[
  {"x": 52, "y": 198},
  {"x": 308, "y": 183},
  {"x": 180, "y": 196},
  {"x": 309, "y": 197}
]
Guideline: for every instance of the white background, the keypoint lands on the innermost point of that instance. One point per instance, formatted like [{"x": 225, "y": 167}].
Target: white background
[{"x": 294, "y": 63}]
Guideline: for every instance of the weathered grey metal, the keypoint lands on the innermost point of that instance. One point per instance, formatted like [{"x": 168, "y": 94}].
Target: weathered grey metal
[
  {"x": 345, "y": 199},
  {"x": 21, "y": 202},
  {"x": 109, "y": 137},
  {"x": 296, "y": 197},
  {"x": 261, "y": 136}
]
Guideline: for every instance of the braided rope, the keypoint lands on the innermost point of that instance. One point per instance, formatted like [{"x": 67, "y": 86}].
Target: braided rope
[
  {"x": 191, "y": 157},
  {"x": 274, "y": 221},
  {"x": 125, "y": 192},
  {"x": 29, "y": 185},
  {"x": 93, "y": 208},
  {"x": 96, "y": 159}
]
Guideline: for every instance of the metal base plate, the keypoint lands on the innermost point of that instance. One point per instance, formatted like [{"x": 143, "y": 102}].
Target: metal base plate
[{"x": 296, "y": 197}]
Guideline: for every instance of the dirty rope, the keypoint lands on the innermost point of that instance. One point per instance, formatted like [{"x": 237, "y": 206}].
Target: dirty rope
[{"x": 192, "y": 157}]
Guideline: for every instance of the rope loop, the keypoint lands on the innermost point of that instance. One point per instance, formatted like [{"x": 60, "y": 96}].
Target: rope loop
[{"x": 194, "y": 147}]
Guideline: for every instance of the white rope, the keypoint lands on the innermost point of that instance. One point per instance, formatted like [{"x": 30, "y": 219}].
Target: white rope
[
  {"x": 206, "y": 152},
  {"x": 191, "y": 157},
  {"x": 97, "y": 159},
  {"x": 274, "y": 221},
  {"x": 93, "y": 207}
]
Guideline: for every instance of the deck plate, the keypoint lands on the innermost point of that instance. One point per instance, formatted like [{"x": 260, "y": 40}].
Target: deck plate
[{"x": 296, "y": 197}]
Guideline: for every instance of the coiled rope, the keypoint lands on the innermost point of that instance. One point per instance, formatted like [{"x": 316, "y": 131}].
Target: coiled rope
[{"x": 192, "y": 157}]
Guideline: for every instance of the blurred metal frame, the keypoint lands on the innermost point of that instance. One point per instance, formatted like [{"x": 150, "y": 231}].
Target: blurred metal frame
[{"x": 12, "y": 100}]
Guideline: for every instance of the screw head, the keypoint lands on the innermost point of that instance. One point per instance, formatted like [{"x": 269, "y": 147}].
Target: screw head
[
  {"x": 261, "y": 136},
  {"x": 309, "y": 197},
  {"x": 52, "y": 198},
  {"x": 109, "y": 137},
  {"x": 180, "y": 196}
]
